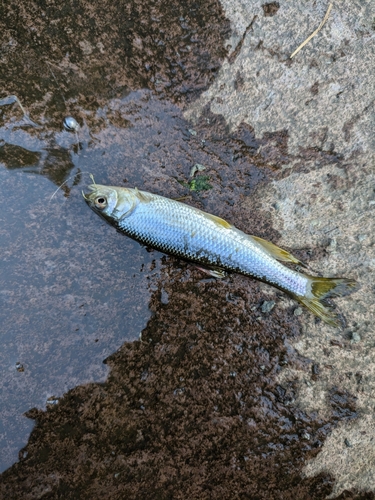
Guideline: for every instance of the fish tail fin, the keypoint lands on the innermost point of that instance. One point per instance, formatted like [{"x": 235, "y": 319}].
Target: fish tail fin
[{"x": 320, "y": 289}]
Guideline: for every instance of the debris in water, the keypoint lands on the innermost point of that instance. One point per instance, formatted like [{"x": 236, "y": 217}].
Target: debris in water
[
  {"x": 71, "y": 124},
  {"x": 20, "y": 367},
  {"x": 11, "y": 99}
]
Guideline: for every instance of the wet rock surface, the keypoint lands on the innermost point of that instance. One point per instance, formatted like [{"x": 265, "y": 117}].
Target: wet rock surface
[
  {"x": 228, "y": 392},
  {"x": 87, "y": 50}
]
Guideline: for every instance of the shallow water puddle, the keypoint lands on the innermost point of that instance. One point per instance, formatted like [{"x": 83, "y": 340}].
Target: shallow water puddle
[{"x": 72, "y": 290}]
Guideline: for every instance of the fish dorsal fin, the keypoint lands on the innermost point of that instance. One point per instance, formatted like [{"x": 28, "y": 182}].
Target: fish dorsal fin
[
  {"x": 218, "y": 221},
  {"x": 277, "y": 252}
]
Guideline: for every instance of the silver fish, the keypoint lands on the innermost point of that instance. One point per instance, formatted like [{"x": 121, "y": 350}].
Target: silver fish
[{"x": 187, "y": 232}]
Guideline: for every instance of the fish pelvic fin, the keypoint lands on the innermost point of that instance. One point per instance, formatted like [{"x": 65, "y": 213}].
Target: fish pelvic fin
[
  {"x": 322, "y": 289},
  {"x": 215, "y": 272},
  {"x": 277, "y": 252}
]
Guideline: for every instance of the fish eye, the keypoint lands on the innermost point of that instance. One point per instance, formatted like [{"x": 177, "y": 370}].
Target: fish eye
[{"x": 100, "y": 202}]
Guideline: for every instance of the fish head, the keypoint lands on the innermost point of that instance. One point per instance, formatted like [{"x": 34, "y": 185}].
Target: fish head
[{"x": 113, "y": 203}]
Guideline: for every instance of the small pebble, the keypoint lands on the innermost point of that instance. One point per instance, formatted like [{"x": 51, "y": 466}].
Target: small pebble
[
  {"x": 52, "y": 401},
  {"x": 347, "y": 443},
  {"x": 332, "y": 245},
  {"x": 298, "y": 311},
  {"x": 197, "y": 168},
  {"x": 164, "y": 299},
  {"x": 267, "y": 306},
  {"x": 355, "y": 338}
]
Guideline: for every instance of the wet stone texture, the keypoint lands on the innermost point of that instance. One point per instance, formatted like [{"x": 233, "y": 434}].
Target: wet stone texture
[
  {"x": 90, "y": 49},
  {"x": 210, "y": 388}
]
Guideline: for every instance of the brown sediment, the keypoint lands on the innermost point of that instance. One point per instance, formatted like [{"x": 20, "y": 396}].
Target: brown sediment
[{"x": 192, "y": 410}]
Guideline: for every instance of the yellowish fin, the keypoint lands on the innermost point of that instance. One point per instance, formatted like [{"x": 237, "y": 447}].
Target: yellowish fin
[
  {"x": 322, "y": 289},
  {"x": 277, "y": 252},
  {"x": 218, "y": 221},
  {"x": 215, "y": 272}
]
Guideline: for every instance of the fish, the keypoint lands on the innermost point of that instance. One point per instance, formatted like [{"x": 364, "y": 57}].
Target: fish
[{"x": 178, "y": 229}]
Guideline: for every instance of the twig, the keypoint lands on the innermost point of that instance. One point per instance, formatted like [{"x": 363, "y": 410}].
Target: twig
[{"x": 315, "y": 32}]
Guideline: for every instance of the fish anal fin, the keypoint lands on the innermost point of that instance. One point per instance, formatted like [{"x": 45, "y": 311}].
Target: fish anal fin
[
  {"x": 218, "y": 221},
  {"x": 277, "y": 252}
]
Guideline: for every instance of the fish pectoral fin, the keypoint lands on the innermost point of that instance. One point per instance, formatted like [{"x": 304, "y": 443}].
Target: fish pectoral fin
[
  {"x": 277, "y": 252},
  {"x": 218, "y": 221}
]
